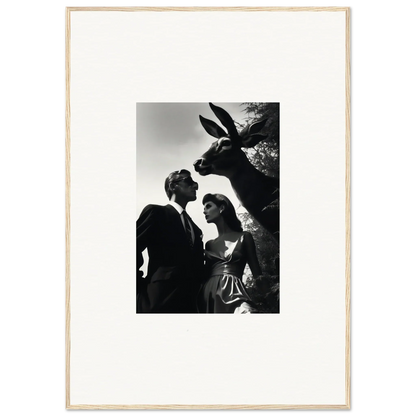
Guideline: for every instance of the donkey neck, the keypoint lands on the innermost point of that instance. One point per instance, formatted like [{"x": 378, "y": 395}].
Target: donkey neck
[
  {"x": 245, "y": 171},
  {"x": 253, "y": 188}
]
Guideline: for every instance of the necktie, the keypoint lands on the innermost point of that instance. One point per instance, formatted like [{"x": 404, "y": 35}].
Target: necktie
[{"x": 187, "y": 223}]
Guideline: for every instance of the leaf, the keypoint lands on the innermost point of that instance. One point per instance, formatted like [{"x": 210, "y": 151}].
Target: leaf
[{"x": 273, "y": 205}]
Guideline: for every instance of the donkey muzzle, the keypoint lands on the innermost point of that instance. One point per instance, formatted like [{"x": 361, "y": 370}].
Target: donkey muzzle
[{"x": 202, "y": 167}]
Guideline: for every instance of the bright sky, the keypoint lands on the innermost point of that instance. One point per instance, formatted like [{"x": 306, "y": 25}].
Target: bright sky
[{"x": 170, "y": 137}]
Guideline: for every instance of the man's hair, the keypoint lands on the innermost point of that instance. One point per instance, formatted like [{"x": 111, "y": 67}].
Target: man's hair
[{"x": 174, "y": 177}]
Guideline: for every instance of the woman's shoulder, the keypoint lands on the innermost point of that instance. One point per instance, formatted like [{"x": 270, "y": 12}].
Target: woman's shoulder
[
  {"x": 208, "y": 244},
  {"x": 237, "y": 236},
  {"x": 247, "y": 236}
]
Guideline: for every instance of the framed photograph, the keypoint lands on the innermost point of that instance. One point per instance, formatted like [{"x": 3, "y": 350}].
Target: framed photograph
[{"x": 208, "y": 177}]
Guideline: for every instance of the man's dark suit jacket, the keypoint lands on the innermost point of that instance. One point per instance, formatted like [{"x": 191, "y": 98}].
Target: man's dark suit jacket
[{"x": 175, "y": 269}]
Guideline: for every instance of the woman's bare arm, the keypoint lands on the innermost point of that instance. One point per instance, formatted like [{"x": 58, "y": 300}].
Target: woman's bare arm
[{"x": 252, "y": 259}]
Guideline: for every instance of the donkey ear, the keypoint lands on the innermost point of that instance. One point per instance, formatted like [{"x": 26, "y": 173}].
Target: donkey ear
[
  {"x": 257, "y": 126},
  {"x": 252, "y": 140},
  {"x": 225, "y": 119},
  {"x": 250, "y": 134},
  {"x": 212, "y": 128}
]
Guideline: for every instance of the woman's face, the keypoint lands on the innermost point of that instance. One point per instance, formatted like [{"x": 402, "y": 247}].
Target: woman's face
[{"x": 211, "y": 211}]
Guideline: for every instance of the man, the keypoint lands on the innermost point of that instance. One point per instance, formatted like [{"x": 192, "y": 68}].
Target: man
[{"x": 174, "y": 245}]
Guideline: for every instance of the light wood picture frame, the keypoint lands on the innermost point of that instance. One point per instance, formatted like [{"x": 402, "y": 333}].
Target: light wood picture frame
[{"x": 119, "y": 56}]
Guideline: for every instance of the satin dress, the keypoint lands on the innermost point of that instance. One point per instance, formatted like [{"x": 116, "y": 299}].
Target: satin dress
[{"x": 224, "y": 291}]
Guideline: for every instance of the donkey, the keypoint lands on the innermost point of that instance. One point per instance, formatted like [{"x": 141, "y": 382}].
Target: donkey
[{"x": 257, "y": 192}]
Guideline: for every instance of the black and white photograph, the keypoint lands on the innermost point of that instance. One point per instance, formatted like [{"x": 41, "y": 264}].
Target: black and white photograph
[
  {"x": 208, "y": 178},
  {"x": 207, "y": 200}
]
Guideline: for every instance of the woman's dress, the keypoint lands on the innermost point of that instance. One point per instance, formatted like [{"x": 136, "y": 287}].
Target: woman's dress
[{"x": 224, "y": 291}]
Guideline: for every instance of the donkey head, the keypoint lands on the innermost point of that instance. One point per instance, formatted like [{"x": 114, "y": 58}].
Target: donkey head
[{"x": 225, "y": 156}]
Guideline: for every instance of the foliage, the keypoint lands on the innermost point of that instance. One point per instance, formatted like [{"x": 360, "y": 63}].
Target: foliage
[
  {"x": 265, "y": 156},
  {"x": 265, "y": 292}
]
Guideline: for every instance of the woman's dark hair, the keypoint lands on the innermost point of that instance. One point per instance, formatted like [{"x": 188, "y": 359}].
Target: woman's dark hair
[{"x": 229, "y": 215}]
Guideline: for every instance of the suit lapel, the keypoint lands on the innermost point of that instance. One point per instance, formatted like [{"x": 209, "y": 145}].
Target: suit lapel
[
  {"x": 197, "y": 233},
  {"x": 174, "y": 219}
]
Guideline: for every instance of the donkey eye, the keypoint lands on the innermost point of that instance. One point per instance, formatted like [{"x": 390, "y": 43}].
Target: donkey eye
[{"x": 224, "y": 144}]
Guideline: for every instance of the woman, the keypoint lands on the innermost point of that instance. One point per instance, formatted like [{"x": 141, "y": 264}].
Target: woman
[{"x": 226, "y": 258}]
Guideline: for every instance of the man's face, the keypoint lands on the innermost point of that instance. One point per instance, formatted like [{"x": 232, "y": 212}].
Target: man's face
[{"x": 185, "y": 188}]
